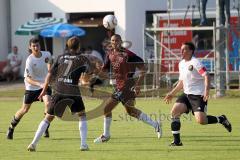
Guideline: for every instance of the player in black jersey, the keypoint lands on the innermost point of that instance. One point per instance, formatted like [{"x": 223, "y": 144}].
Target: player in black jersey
[{"x": 66, "y": 72}]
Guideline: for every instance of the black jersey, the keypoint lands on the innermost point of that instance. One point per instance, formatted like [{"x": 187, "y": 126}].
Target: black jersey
[{"x": 67, "y": 71}]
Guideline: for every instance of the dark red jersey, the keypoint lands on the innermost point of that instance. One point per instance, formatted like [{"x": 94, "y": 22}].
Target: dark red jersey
[{"x": 123, "y": 65}]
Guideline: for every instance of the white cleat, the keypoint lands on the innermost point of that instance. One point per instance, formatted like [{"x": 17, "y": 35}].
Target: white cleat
[
  {"x": 84, "y": 148},
  {"x": 158, "y": 130},
  {"x": 31, "y": 148},
  {"x": 101, "y": 139}
]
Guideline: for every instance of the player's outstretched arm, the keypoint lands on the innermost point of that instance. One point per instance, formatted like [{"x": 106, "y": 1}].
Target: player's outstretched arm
[
  {"x": 176, "y": 89},
  {"x": 140, "y": 79}
]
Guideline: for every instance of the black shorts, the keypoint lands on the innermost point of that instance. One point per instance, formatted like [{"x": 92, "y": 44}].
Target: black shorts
[
  {"x": 32, "y": 96},
  {"x": 124, "y": 96},
  {"x": 76, "y": 104},
  {"x": 195, "y": 103}
]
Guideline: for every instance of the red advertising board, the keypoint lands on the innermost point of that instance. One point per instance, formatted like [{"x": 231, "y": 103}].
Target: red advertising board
[{"x": 176, "y": 38}]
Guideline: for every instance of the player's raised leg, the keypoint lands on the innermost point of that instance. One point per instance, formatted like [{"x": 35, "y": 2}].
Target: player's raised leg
[
  {"x": 213, "y": 120},
  {"x": 134, "y": 112}
]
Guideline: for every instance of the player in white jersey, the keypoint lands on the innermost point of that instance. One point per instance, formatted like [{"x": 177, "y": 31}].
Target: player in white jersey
[
  {"x": 194, "y": 80},
  {"x": 37, "y": 65}
]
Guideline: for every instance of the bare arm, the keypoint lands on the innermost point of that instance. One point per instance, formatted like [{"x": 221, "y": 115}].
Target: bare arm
[
  {"x": 139, "y": 80},
  {"x": 176, "y": 89},
  {"x": 45, "y": 86},
  {"x": 49, "y": 65},
  {"x": 34, "y": 82},
  {"x": 207, "y": 87}
]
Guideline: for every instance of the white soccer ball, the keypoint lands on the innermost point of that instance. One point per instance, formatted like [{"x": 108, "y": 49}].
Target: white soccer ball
[{"x": 110, "y": 21}]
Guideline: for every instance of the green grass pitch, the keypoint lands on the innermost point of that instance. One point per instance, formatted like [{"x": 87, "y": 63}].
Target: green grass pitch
[{"x": 131, "y": 139}]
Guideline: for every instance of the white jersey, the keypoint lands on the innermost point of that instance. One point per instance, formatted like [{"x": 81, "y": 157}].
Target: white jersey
[
  {"x": 192, "y": 74},
  {"x": 14, "y": 58},
  {"x": 37, "y": 69}
]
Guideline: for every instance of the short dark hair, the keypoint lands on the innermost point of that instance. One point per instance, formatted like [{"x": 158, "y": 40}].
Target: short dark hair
[
  {"x": 117, "y": 35},
  {"x": 33, "y": 40},
  {"x": 190, "y": 45}
]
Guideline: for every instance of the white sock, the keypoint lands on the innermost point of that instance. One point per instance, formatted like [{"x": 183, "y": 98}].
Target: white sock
[
  {"x": 106, "y": 126},
  {"x": 83, "y": 131},
  {"x": 41, "y": 129},
  {"x": 146, "y": 119}
]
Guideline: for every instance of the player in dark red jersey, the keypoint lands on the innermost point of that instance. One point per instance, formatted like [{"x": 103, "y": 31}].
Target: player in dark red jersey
[
  {"x": 124, "y": 64},
  {"x": 66, "y": 72}
]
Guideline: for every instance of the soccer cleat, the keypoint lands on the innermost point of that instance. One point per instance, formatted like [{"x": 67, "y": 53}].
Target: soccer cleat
[
  {"x": 226, "y": 123},
  {"x": 10, "y": 133},
  {"x": 158, "y": 130},
  {"x": 101, "y": 139},
  {"x": 176, "y": 144},
  {"x": 84, "y": 148},
  {"x": 31, "y": 148},
  {"x": 46, "y": 134}
]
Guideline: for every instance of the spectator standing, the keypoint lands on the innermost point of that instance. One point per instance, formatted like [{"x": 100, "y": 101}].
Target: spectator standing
[
  {"x": 202, "y": 10},
  {"x": 224, "y": 12}
]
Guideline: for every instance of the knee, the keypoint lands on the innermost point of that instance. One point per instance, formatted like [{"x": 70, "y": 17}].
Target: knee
[
  {"x": 175, "y": 113},
  {"x": 128, "y": 110},
  {"x": 47, "y": 101},
  {"x": 47, "y": 104},
  {"x": 107, "y": 112},
  {"x": 49, "y": 118},
  {"x": 82, "y": 114},
  {"x": 133, "y": 112},
  {"x": 201, "y": 121},
  {"x": 172, "y": 113},
  {"x": 16, "y": 71},
  {"x": 178, "y": 109}
]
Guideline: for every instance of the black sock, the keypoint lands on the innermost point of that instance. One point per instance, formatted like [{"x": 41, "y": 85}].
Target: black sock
[
  {"x": 175, "y": 126},
  {"x": 221, "y": 119},
  {"x": 212, "y": 119},
  {"x": 14, "y": 122}
]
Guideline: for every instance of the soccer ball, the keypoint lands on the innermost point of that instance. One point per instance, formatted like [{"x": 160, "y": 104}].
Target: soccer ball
[{"x": 109, "y": 21}]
